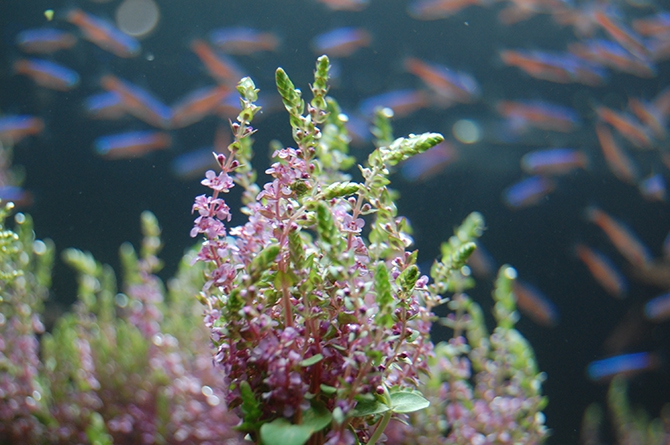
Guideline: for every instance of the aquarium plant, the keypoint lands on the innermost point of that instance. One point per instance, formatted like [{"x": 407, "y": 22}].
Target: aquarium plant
[
  {"x": 123, "y": 367},
  {"x": 316, "y": 315},
  {"x": 321, "y": 326}
]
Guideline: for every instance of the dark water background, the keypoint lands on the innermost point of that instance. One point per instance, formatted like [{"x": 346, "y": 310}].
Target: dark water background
[{"x": 92, "y": 204}]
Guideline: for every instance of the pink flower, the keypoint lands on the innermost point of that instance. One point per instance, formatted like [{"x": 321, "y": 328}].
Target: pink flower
[{"x": 220, "y": 183}]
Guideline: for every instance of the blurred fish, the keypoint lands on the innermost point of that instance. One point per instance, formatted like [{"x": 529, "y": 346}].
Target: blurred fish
[
  {"x": 603, "y": 270},
  {"x": 538, "y": 114},
  {"x": 634, "y": 132},
  {"x": 553, "y": 161},
  {"x": 139, "y": 102},
  {"x": 221, "y": 68},
  {"x": 341, "y": 42},
  {"x": 528, "y": 192},
  {"x": 429, "y": 163},
  {"x": 482, "y": 263},
  {"x": 625, "y": 364},
  {"x": 104, "y": 34},
  {"x": 197, "y": 105},
  {"x": 617, "y": 160},
  {"x": 658, "y": 309},
  {"x": 658, "y": 24},
  {"x": 15, "y": 128},
  {"x": 518, "y": 10},
  {"x": 437, "y": 9},
  {"x": 241, "y": 40},
  {"x": 107, "y": 105},
  {"x": 533, "y": 303},
  {"x": 623, "y": 239},
  {"x": 194, "y": 164},
  {"x": 44, "y": 40},
  {"x": 613, "y": 55},
  {"x": 20, "y": 197},
  {"x": 47, "y": 74},
  {"x": 606, "y": 18},
  {"x": 132, "y": 144},
  {"x": 346, "y": 5},
  {"x": 649, "y": 115},
  {"x": 450, "y": 85},
  {"x": 555, "y": 67},
  {"x": 580, "y": 17},
  {"x": 402, "y": 102},
  {"x": 653, "y": 188}
]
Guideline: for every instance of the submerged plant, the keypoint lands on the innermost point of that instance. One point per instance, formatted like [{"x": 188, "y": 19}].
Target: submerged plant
[
  {"x": 124, "y": 367},
  {"x": 321, "y": 327}
]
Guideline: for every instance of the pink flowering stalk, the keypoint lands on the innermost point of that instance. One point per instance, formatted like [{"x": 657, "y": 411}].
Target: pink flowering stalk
[
  {"x": 122, "y": 368},
  {"x": 484, "y": 389},
  {"x": 25, "y": 264},
  {"x": 321, "y": 332},
  {"x": 131, "y": 368}
]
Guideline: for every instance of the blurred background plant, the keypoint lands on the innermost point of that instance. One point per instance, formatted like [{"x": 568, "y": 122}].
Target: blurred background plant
[{"x": 121, "y": 367}]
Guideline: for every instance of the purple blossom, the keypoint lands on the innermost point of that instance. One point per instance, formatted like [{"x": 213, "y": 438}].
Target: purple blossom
[{"x": 220, "y": 183}]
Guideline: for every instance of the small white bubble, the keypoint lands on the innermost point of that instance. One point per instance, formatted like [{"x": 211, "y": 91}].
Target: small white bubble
[
  {"x": 39, "y": 247},
  {"x": 121, "y": 300},
  {"x": 213, "y": 400},
  {"x": 387, "y": 112},
  {"x": 466, "y": 131},
  {"x": 510, "y": 273},
  {"x": 207, "y": 391},
  {"x": 20, "y": 218}
]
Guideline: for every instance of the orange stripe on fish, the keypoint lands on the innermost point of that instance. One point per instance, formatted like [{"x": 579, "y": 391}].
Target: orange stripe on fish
[
  {"x": 619, "y": 163},
  {"x": 602, "y": 270},
  {"x": 623, "y": 239},
  {"x": 634, "y": 132}
]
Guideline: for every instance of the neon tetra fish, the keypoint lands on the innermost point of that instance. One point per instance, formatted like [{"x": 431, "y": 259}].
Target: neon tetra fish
[
  {"x": 623, "y": 239},
  {"x": 47, "y": 74},
  {"x": 139, "y": 102},
  {"x": 44, "y": 40},
  {"x": 104, "y": 34},
  {"x": 130, "y": 145},
  {"x": 242, "y": 40},
  {"x": 603, "y": 271}
]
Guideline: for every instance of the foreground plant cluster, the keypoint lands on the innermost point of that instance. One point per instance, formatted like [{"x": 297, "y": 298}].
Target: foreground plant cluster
[{"x": 316, "y": 316}]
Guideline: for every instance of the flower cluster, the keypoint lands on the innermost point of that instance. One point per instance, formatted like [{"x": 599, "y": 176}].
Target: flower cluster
[
  {"x": 317, "y": 329},
  {"x": 484, "y": 390},
  {"x": 23, "y": 288}
]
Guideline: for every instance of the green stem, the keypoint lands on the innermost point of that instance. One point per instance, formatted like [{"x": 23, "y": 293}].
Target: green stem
[{"x": 386, "y": 418}]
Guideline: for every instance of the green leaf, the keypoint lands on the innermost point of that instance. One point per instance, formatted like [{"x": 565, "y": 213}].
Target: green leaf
[
  {"x": 281, "y": 432},
  {"x": 290, "y": 95},
  {"x": 263, "y": 260},
  {"x": 251, "y": 409},
  {"x": 408, "y": 402},
  {"x": 328, "y": 390},
  {"x": 313, "y": 360},
  {"x": 370, "y": 408},
  {"x": 325, "y": 225},
  {"x": 318, "y": 417},
  {"x": 384, "y": 296},
  {"x": 339, "y": 189},
  {"x": 408, "y": 278}
]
